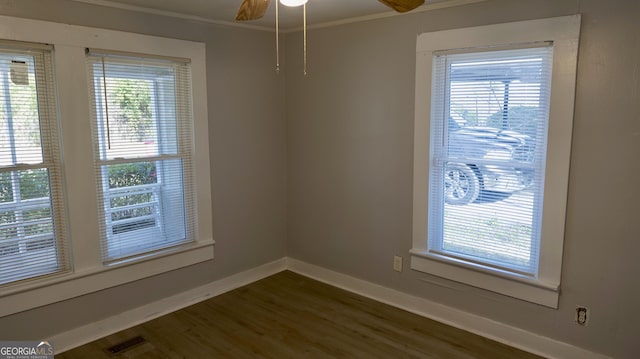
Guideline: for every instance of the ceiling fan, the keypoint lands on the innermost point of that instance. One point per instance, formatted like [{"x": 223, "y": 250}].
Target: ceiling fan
[{"x": 255, "y": 9}]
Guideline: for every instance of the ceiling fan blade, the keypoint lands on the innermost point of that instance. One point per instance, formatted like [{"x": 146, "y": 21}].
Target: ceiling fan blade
[
  {"x": 402, "y": 5},
  {"x": 252, "y": 9}
]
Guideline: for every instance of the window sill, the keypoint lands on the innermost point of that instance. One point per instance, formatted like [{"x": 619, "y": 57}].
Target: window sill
[
  {"x": 52, "y": 289},
  {"x": 510, "y": 284}
]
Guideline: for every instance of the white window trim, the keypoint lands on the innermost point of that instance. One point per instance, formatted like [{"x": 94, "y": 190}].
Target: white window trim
[
  {"x": 564, "y": 32},
  {"x": 89, "y": 274}
]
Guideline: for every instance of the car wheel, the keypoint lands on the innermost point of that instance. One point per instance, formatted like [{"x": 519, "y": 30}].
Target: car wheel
[{"x": 461, "y": 184}]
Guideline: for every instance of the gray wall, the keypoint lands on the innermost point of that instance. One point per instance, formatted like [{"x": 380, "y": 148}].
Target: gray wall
[
  {"x": 332, "y": 184},
  {"x": 350, "y": 138},
  {"x": 248, "y": 161}
]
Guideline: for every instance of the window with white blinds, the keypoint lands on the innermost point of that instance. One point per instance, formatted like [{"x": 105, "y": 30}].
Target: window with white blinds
[
  {"x": 489, "y": 123},
  {"x": 32, "y": 228},
  {"x": 104, "y": 160},
  {"x": 493, "y": 122},
  {"x": 142, "y": 128}
]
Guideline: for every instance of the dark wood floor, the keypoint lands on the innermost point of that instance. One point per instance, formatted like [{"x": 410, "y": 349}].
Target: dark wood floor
[{"x": 291, "y": 316}]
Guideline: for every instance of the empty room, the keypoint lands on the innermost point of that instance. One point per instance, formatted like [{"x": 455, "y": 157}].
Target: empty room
[{"x": 319, "y": 178}]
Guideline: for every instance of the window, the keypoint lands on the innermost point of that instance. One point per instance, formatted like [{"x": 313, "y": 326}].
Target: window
[
  {"x": 489, "y": 201},
  {"x": 142, "y": 139},
  {"x": 488, "y": 147},
  {"x": 104, "y": 174},
  {"x": 32, "y": 230}
]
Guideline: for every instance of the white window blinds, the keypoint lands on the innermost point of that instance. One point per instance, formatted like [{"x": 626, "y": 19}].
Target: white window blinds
[
  {"x": 489, "y": 126},
  {"x": 142, "y": 128},
  {"x": 32, "y": 229}
]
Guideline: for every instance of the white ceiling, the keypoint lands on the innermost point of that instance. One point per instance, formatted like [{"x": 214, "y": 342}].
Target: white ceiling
[{"x": 224, "y": 11}]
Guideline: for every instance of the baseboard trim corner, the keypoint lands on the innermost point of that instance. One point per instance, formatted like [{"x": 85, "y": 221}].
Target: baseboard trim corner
[{"x": 500, "y": 332}]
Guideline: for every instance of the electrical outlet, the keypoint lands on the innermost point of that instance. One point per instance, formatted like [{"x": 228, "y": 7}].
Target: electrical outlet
[
  {"x": 582, "y": 315},
  {"x": 397, "y": 263}
]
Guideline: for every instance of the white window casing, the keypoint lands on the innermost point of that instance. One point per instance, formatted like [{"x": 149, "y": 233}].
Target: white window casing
[
  {"x": 459, "y": 163},
  {"x": 90, "y": 270}
]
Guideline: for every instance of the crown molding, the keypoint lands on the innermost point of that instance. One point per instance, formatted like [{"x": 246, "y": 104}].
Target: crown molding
[{"x": 383, "y": 15}]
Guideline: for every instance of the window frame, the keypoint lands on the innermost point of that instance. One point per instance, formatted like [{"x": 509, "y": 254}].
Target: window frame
[
  {"x": 89, "y": 273},
  {"x": 563, "y": 32}
]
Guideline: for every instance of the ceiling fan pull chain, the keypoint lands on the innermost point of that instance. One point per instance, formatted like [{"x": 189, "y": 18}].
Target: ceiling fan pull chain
[
  {"x": 277, "y": 41},
  {"x": 304, "y": 41}
]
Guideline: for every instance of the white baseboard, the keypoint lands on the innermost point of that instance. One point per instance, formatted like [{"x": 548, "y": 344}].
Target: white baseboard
[
  {"x": 500, "y": 332},
  {"x": 503, "y": 333},
  {"x": 90, "y": 332}
]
